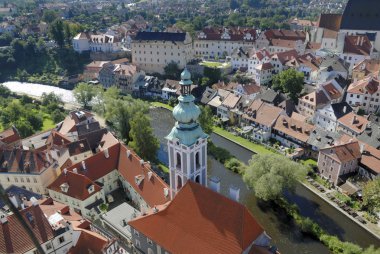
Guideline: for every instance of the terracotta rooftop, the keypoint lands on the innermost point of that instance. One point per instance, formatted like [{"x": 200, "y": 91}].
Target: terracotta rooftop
[
  {"x": 354, "y": 122},
  {"x": 15, "y": 239},
  {"x": 199, "y": 215},
  {"x": 231, "y": 101},
  {"x": 152, "y": 187},
  {"x": 343, "y": 153},
  {"x": 285, "y": 35},
  {"x": 264, "y": 67},
  {"x": 316, "y": 98},
  {"x": 283, "y": 57},
  {"x": 234, "y": 33},
  {"x": 293, "y": 128},
  {"x": 368, "y": 85},
  {"x": 283, "y": 43},
  {"x": 10, "y": 135},
  {"x": 368, "y": 66},
  {"x": 50, "y": 207},
  {"x": 251, "y": 89},
  {"x": 77, "y": 185},
  {"x": 371, "y": 158},
  {"x": 24, "y": 161},
  {"x": 89, "y": 243},
  {"x": 331, "y": 91},
  {"x": 357, "y": 45},
  {"x": 262, "y": 113}
]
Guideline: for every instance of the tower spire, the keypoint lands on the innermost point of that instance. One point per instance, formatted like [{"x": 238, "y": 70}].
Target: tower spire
[{"x": 187, "y": 143}]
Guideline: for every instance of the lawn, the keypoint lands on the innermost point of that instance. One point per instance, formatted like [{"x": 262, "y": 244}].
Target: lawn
[
  {"x": 256, "y": 148},
  {"x": 212, "y": 64},
  {"x": 48, "y": 123},
  {"x": 309, "y": 162},
  {"x": 161, "y": 105}
]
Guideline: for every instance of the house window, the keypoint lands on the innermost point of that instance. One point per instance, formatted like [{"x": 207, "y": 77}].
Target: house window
[
  {"x": 150, "y": 242},
  {"x": 48, "y": 246},
  {"x": 137, "y": 243},
  {"x": 61, "y": 239},
  {"x": 136, "y": 232}
]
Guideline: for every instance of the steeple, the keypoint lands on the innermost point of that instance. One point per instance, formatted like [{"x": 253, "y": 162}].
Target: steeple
[{"x": 187, "y": 143}]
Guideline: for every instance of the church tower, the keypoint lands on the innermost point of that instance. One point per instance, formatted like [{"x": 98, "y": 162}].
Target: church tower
[{"x": 187, "y": 143}]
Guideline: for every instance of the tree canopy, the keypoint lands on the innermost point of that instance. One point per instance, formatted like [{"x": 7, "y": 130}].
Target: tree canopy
[
  {"x": 371, "y": 195},
  {"x": 143, "y": 140},
  {"x": 269, "y": 175},
  {"x": 84, "y": 93},
  {"x": 289, "y": 81},
  {"x": 205, "y": 119}
]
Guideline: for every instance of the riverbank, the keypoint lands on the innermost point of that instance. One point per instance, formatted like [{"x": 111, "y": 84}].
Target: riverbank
[
  {"x": 236, "y": 140},
  {"x": 373, "y": 229}
]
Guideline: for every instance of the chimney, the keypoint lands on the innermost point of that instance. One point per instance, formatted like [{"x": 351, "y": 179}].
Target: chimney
[
  {"x": 65, "y": 171},
  {"x": 13, "y": 200},
  {"x": 106, "y": 153},
  {"x": 344, "y": 109},
  {"x": 34, "y": 201},
  {"x": 141, "y": 162},
  {"x": 128, "y": 153},
  {"x": 215, "y": 184},
  {"x": 3, "y": 218},
  {"x": 354, "y": 120},
  {"x": 361, "y": 148},
  {"x": 75, "y": 170},
  {"x": 234, "y": 193},
  {"x": 84, "y": 165}
]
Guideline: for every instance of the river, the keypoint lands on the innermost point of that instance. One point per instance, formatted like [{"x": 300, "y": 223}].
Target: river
[{"x": 284, "y": 233}]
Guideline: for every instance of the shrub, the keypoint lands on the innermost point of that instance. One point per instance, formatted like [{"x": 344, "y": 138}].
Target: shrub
[
  {"x": 220, "y": 154},
  {"x": 234, "y": 165}
]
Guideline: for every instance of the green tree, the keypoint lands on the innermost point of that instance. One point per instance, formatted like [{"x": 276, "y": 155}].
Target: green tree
[
  {"x": 24, "y": 128},
  {"x": 143, "y": 141},
  {"x": 371, "y": 195},
  {"x": 34, "y": 119},
  {"x": 57, "y": 32},
  {"x": 49, "y": 16},
  {"x": 57, "y": 116},
  {"x": 206, "y": 119},
  {"x": 84, "y": 93},
  {"x": 172, "y": 70},
  {"x": 269, "y": 175},
  {"x": 4, "y": 91},
  {"x": 101, "y": 103},
  {"x": 213, "y": 74},
  {"x": 289, "y": 81}
]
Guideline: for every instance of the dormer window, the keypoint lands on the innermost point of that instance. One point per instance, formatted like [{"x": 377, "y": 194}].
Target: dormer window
[
  {"x": 91, "y": 188},
  {"x": 64, "y": 187},
  {"x": 139, "y": 179}
]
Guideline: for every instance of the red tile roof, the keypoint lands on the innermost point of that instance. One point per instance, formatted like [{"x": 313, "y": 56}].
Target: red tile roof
[
  {"x": 199, "y": 220},
  {"x": 14, "y": 237},
  {"x": 293, "y": 128},
  {"x": 78, "y": 185},
  {"x": 89, "y": 243},
  {"x": 371, "y": 158},
  {"x": 285, "y": 35},
  {"x": 354, "y": 122},
  {"x": 344, "y": 153},
  {"x": 368, "y": 84},
  {"x": 262, "y": 113},
  {"x": 357, "y": 44},
  {"x": 151, "y": 189},
  {"x": 10, "y": 135}
]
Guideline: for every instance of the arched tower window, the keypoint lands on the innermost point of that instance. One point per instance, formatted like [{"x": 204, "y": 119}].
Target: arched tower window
[
  {"x": 178, "y": 160},
  {"x": 179, "y": 182},
  {"x": 198, "y": 179},
  {"x": 150, "y": 251},
  {"x": 197, "y": 160}
]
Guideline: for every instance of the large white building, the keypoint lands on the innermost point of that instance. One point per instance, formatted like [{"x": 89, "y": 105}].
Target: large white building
[
  {"x": 214, "y": 42},
  {"x": 96, "y": 43},
  {"x": 152, "y": 51}
]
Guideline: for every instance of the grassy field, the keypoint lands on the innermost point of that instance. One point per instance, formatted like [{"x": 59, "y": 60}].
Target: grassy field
[
  {"x": 48, "y": 123},
  {"x": 309, "y": 162},
  {"x": 256, "y": 148},
  {"x": 161, "y": 105},
  {"x": 212, "y": 64}
]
